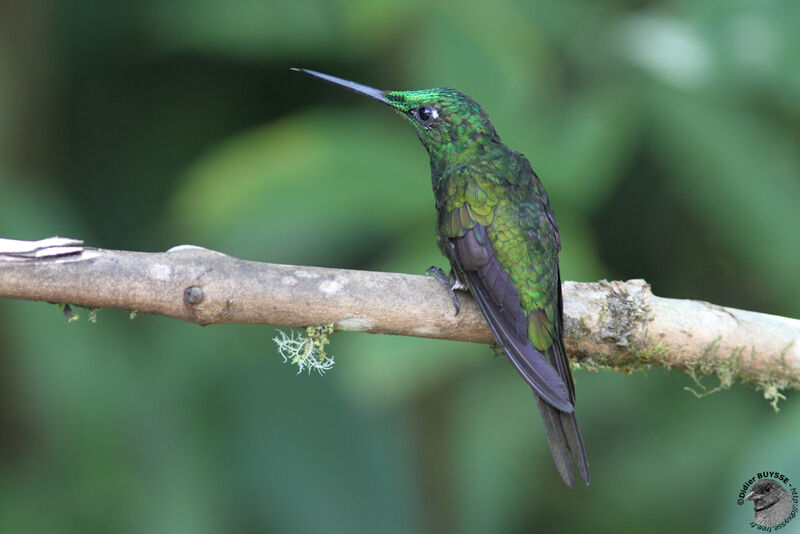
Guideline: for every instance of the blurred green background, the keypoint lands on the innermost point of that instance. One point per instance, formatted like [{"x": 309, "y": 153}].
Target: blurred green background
[{"x": 667, "y": 134}]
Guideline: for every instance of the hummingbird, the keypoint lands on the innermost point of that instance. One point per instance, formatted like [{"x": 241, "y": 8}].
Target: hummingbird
[{"x": 498, "y": 231}]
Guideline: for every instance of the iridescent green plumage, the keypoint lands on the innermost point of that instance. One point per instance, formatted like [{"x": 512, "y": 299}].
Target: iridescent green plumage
[{"x": 496, "y": 227}]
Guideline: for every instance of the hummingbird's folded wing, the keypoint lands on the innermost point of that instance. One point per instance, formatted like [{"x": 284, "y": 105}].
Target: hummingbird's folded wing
[{"x": 498, "y": 298}]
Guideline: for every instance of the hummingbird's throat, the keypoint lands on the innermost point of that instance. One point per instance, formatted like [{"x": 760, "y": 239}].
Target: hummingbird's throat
[{"x": 448, "y": 152}]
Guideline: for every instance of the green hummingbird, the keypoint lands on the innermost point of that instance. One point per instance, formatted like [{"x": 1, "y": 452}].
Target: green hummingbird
[{"x": 496, "y": 226}]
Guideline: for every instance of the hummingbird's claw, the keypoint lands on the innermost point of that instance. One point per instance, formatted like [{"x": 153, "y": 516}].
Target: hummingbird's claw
[{"x": 450, "y": 282}]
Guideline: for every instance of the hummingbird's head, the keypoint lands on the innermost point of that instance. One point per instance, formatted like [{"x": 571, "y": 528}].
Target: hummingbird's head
[{"x": 450, "y": 124}]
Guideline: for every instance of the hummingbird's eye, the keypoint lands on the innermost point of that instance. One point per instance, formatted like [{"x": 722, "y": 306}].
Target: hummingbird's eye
[{"x": 425, "y": 114}]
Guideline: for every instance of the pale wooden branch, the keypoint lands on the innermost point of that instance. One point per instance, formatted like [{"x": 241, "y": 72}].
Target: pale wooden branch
[{"x": 616, "y": 324}]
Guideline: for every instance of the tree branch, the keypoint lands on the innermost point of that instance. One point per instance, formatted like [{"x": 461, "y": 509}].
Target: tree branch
[{"x": 616, "y": 324}]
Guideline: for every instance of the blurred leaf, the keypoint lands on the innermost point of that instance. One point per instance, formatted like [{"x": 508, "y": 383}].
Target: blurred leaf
[
  {"x": 579, "y": 259},
  {"x": 581, "y": 149},
  {"x": 386, "y": 371},
  {"x": 753, "y": 46},
  {"x": 766, "y": 445},
  {"x": 740, "y": 175},
  {"x": 31, "y": 210},
  {"x": 268, "y": 29},
  {"x": 5, "y": 115},
  {"x": 493, "y": 429},
  {"x": 305, "y": 183}
]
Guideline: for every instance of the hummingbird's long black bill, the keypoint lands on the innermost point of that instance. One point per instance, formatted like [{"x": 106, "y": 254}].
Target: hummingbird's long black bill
[{"x": 365, "y": 90}]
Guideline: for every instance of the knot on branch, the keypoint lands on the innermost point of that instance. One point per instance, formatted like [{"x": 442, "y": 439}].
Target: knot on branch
[{"x": 193, "y": 295}]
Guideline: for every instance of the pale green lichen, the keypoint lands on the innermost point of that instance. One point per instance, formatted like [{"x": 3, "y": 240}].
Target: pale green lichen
[
  {"x": 623, "y": 323},
  {"x": 497, "y": 350},
  {"x": 709, "y": 362},
  {"x": 577, "y": 330},
  {"x": 728, "y": 368},
  {"x": 624, "y": 318},
  {"x": 776, "y": 379},
  {"x": 306, "y": 351},
  {"x": 650, "y": 353},
  {"x": 73, "y": 317},
  {"x": 68, "y": 312},
  {"x": 772, "y": 393}
]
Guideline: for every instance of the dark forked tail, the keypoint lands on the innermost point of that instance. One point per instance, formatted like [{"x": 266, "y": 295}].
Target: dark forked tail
[{"x": 565, "y": 441}]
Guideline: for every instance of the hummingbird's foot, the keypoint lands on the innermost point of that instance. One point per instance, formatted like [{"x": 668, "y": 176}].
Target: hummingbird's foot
[{"x": 450, "y": 282}]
